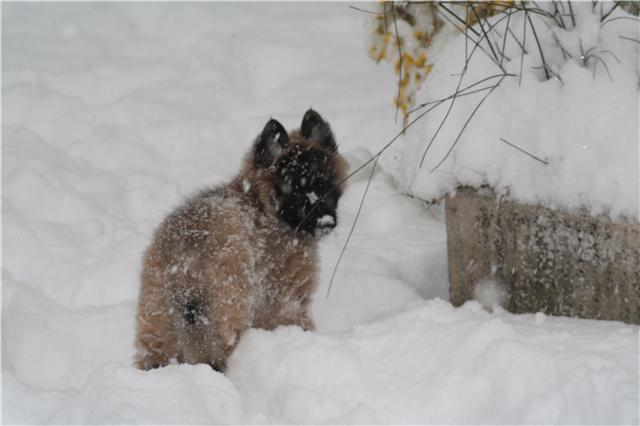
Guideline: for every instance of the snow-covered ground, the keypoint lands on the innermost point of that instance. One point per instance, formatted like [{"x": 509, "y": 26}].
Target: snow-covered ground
[{"x": 113, "y": 112}]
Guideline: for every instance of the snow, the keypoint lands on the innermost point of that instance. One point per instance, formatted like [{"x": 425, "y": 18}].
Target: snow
[
  {"x": 489, "y": 293},
  {"x": 312, "y": 197},
  {"x": 462, "y": 366},
  {"x": 584, "y": 124},
  {"x": 114, "y": 113},
  {"x": 326, "y": 220}
]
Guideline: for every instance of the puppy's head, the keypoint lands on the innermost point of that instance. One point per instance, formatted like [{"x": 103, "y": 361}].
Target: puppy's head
[{"x": 300, "y": 174}]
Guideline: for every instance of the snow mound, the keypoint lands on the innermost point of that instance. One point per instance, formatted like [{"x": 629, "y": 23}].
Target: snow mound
[
  {"x": 443, "y": 365},
  {"x": 583, "y": 121},
  {"x": 188, "y": 394}
]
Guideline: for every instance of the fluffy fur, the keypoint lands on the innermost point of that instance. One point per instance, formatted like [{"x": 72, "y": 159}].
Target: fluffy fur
[{"x": 243, "y": 254}]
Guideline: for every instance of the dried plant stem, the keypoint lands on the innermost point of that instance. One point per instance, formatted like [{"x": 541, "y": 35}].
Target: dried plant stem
[
  {"x": 606, "y": 15},
  {"x": 463, "y": 92},
  {"x": 573, "y": 16},
  {"x": 453, "y": 100},
  {"x": 612, "y": 54},
  {"x": 629, "y": 38},
  {"x": 484, "y": 34},
  {"x": 565, "y": 53},
  {"x": 518, "y": 41},
  {"x": 524, "y": 41},
  {"x": 457, "y": 91},
  {"x": 557, "y": 16},
  {"x": 353, "y": 225},
  {"x": 468, "y": 27},
  {"x": 525, "y": 152},
  {"x": 467, "y": 36},
  {"x": 504, "y": 40},
  {"x": 373, "y": 12},
  {"x": 462, "y": 21},
  {"x": 631, "y": 18},
  {"x": 606, "y": 67},
  {"x": 457, "y": 139},
  {"x": 535, "y": 35}
]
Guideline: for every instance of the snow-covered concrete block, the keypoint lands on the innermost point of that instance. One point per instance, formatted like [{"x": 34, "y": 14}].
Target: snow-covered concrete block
[{"x": 557, "y": 262}]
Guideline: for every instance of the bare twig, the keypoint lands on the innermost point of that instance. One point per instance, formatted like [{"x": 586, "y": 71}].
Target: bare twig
[
  {"x": 463, "y": 92},
  {"x": 455, "y": 142},
  {"x": 373, "y": 12},
  {"x": 629, "y": 38},
  {"x": 632, "y": 18},
  {"x": 459, "y": 95},
  {"x": 524, "y": 41},
  {"x": 467, "y": 36},
  {"x": 598, "y": 58},
  {"x": 557, "y": 16},
  {"x": 612, "y": 54},
  {"x": 462, "y": 21},
  {"x": 552, "y": 72},
  {"x": 565, "y": 53},
  {"x": 573, "y": 16},
  {"x": 484, "y": 34},
  {"x": 466, "y": 47},
  {"x": 535, "y": 35},
  {"x": 536, "y": 11},
  {"x": 453, "y": 100},
  {"x": 606, "y": 15},
  {"x": 504, "y": 40},
  {"x": 353, "y": 225},
  {"x": 475, "y": 42},
  {"x": 518, "y": 41},
  {"x": 585, "y": 56},
  {"x": 492, "y": 29},
  {"x": 563, "y": 13},
  {"x": 525, "y": 152}
]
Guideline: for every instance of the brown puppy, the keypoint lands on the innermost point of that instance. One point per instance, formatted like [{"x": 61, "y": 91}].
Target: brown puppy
[{"x": 243, "y": 254}]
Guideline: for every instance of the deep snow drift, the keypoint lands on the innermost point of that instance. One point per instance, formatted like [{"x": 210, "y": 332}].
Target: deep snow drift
[{"x": 113, "y": 112}]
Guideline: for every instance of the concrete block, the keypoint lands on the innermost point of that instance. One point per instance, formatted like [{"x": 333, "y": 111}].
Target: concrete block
[{"x": 551, "y": 261}]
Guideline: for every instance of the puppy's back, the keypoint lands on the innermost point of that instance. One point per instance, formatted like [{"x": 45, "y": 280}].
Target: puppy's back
[{"x": 197, "y": 270}]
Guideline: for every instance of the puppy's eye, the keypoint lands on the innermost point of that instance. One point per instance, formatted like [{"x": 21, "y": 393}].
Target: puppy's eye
[
  {"x": 324, "y": 178},
  {"x": 330, "y": 202},
  {"x": 285, "y": 187}
]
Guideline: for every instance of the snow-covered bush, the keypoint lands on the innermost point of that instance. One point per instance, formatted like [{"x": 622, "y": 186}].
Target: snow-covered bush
[{"x": 538, "y": 101}]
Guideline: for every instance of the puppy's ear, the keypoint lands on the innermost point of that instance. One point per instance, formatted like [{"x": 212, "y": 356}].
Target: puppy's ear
[
  {"x": 270, "y": 143},
  {"x": 315, "y": 128}
]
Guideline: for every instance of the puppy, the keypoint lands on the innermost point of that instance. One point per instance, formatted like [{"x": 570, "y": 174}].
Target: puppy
[{"x": 243, "y": 254}]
